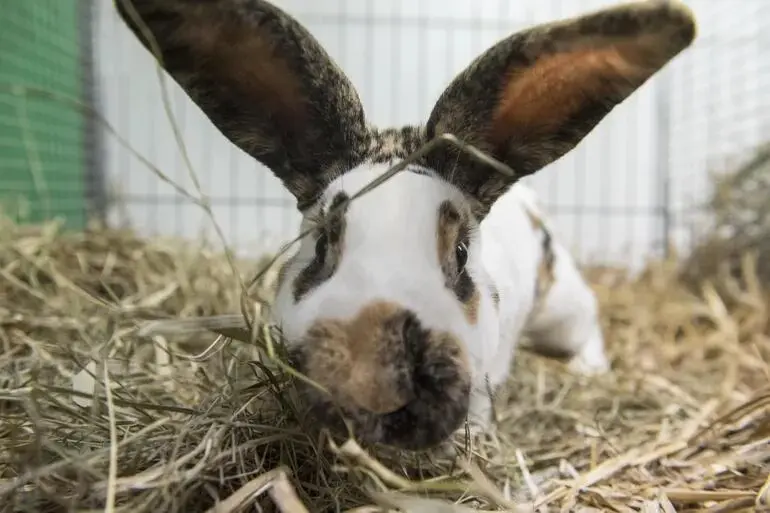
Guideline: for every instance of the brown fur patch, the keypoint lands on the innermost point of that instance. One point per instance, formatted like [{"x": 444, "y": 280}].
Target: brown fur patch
[
  {"x": 546, "y": 96},
  {"x": 452, "y": 230},
  {"x": 537, "y": 223},
  {"x": 471, "y": 307},
  {"x": 363, "y": 361},
  {"x": 246, "y": 62},
  {"x": 395, "y": 381},
  {"x": 545, "y": 269}
]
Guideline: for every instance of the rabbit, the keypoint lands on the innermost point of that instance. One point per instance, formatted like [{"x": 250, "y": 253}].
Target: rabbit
[{"x": 407, "y": 304}]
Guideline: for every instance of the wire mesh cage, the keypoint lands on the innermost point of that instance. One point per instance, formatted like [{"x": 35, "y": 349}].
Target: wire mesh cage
[{"x": 622, "y": 196}]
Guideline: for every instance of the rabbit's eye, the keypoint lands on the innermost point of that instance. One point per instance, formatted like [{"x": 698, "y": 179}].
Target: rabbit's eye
[
  {"x": 461, "y": 253},
  {"x": 321, "y": 245}
]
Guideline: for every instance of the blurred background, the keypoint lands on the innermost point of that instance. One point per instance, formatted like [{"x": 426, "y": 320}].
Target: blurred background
[{"x": 83, "y": 119}]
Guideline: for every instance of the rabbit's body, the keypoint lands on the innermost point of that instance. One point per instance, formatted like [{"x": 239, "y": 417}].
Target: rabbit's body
[
  {"x": 542, "y": 292},
  {"x": 405, "y": 304}
]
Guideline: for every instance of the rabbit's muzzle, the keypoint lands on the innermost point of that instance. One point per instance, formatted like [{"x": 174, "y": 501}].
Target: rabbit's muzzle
[{"x": 395, "y": 381}]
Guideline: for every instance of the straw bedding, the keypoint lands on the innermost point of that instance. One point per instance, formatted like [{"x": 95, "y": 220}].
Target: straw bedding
[
  {"x": 738, "y": 217},
  {"x": 681, "y": 424}
]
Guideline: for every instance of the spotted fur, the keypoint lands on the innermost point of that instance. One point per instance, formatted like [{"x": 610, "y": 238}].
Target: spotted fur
[
  {"x": 374, "y": 305},
  {"x": 391, "y": 144},
  {"x": 545, "y": 269},
  {"x": 329, "y": 247},
  {"x": 453, "y": 232}
]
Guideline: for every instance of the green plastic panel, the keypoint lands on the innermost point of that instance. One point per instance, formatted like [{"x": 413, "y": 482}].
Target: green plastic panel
[{"x": 42, "y": 163}]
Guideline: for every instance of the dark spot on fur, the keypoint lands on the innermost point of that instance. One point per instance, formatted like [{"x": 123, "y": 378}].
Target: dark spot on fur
[
  {"x": 389, "y": 144},
  {"x": 454, "y": 229},
  {"x": 545, "y": 270},
  {"x": 495, "y": 295},
  {"x": 329, "y": 248}
]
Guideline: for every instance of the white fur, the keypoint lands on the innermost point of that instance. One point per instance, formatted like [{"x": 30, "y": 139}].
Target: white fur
[
  {"x": 390, "y": 254},
  {"x": 567, "y": 320}
]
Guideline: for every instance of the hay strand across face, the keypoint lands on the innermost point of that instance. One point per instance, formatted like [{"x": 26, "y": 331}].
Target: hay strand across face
[{"x": 391, "y": 304}]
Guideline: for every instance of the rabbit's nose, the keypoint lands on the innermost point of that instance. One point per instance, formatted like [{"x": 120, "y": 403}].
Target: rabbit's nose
[
  {"x": 365, "y": 361},
  {"x": 380, "y": 379},
  {"x": 399, "y": 382}
]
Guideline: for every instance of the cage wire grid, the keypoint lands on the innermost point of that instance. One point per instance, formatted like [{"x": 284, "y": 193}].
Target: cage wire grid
[
  {"x": 619, "y": 197},
  {"x": 630, "y": 186}
]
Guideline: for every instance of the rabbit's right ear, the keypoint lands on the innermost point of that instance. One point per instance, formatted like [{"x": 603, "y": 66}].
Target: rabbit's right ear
[
  {"x": 263, "y": 80},
  {"x": 533, "y": 96}
]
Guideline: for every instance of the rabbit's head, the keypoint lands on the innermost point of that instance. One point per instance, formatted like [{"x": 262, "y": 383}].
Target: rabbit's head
[{"x": 387, "y": 304}]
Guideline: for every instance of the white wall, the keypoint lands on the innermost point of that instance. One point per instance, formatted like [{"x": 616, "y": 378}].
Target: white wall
[{"x": 401, "y": 54}]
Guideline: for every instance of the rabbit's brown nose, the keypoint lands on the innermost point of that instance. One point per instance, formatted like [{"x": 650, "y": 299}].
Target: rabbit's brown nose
[
  {"x": 398, "y": 382},
  {"x": 365, "y": 360}
]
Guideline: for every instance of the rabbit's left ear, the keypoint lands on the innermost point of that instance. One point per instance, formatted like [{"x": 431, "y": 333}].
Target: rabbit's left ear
[
  {"x": 535, "y": 95},
  {"x": 264, "y": 81}
]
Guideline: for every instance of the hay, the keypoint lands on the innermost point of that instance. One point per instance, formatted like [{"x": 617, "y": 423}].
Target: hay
[
  {"x": 682, "y": 424},
  {"x": 738, "y": 216}
]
